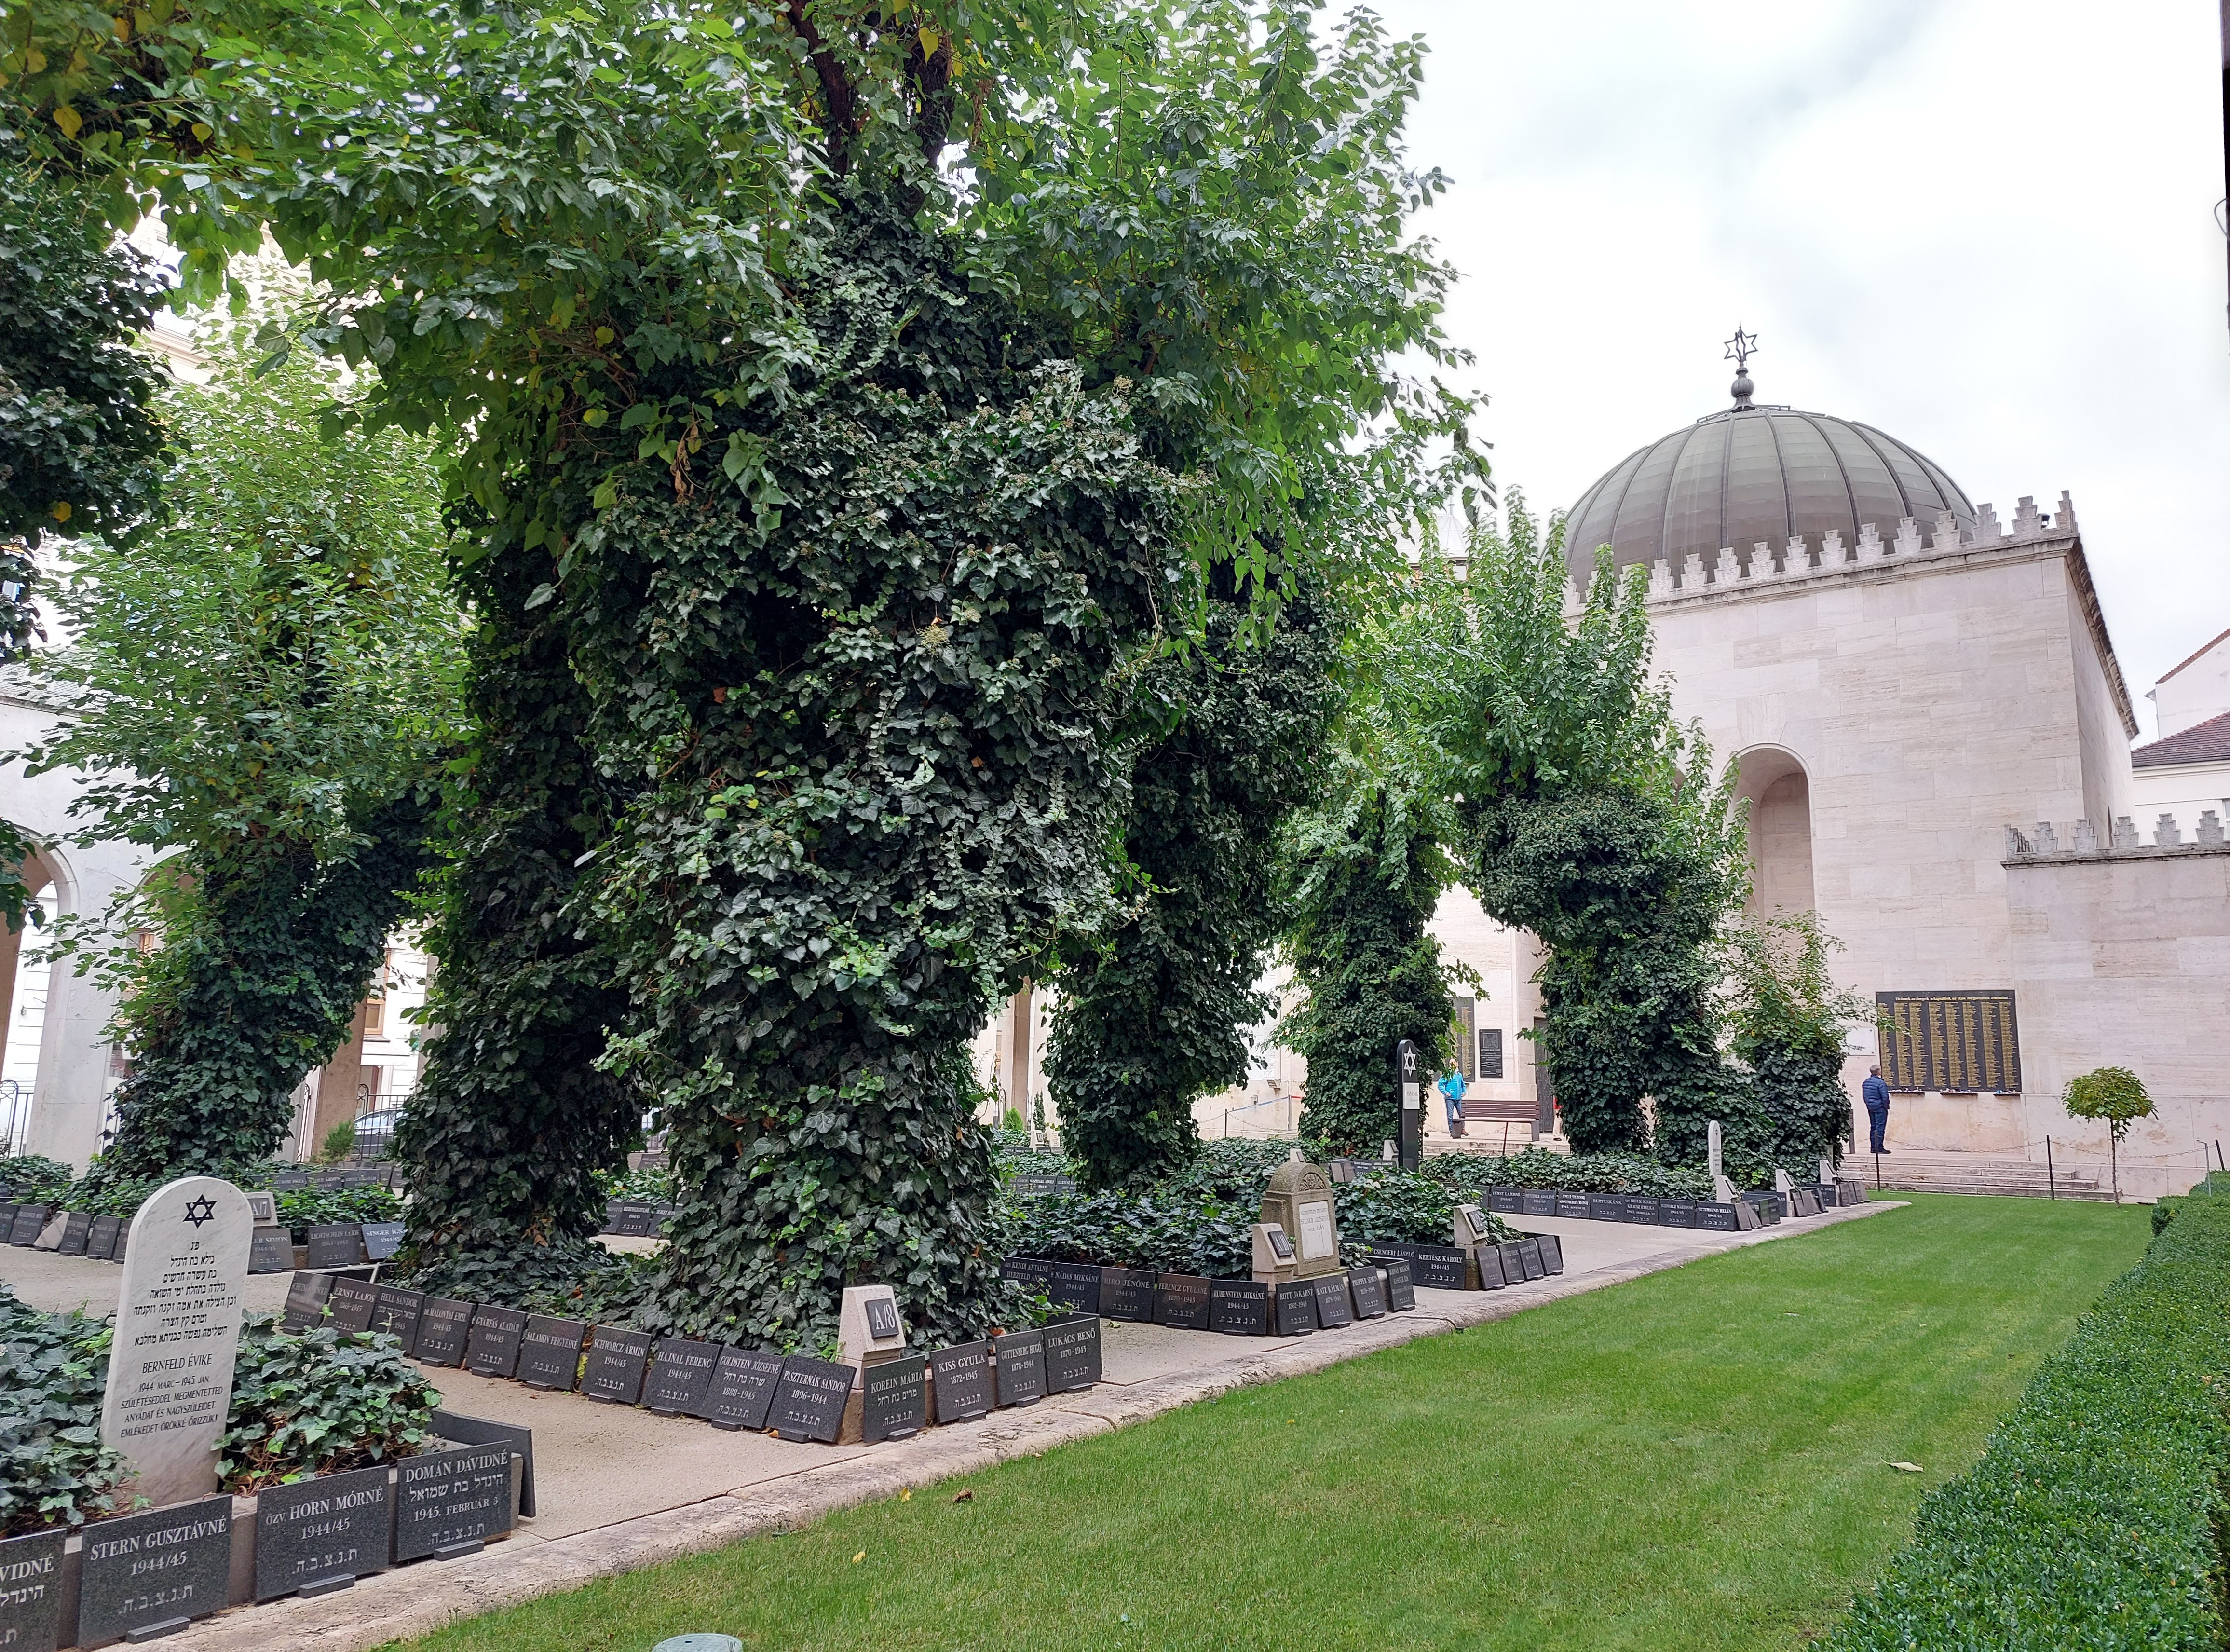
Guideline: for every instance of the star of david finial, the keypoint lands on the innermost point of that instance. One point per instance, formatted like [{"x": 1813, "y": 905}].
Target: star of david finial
[
  {"x": 1739, "y": 351},
  {"x": 201, "y": 1210}
]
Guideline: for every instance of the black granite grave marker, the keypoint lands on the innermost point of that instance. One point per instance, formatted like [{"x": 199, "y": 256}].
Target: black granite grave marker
[
  {"x": 77, "y": 1228},
  {"x": 1769, "y": 1207},
  {"x": 894, "y": 1398},
  {"x": 961, "y": 1379},
  {"x": 381, "y": 1240},
  {"x": 270, "y": 1250},
  {"x": 157, "y": 1571},
  {"x": 1439, "y": 1268},
  {"x": 318, "y": 1535},
  {"x": 1677, "y": 1213},
  {"x": 352, "y": 1304},
  {"x": 1180, "y": 1300},
  {"x": 1640, "y": 1207},
  {"x": 1239, "y": 1307},
  {"x": 1505, "y": 1201},
  {"x": 1334, "y": 1306},
  {"x": 611, "y": 1216},
  {"x": 450, "y": 1503},
  {"x": 1714, "y": 1217},
  {"x": 1824, "y": 1195},
  {"x": 617, "y": 1359},
  {"x": 336, "y": 1244},
  {"x": 1018, "y": 1365},
  {"x": 1072, "y": 1353},
  {"x": 1571, "y": 1204},
  {"x": 1602, "y": 1207},
  {"x": 492, "y": 1349},
  {"x": 1126, "y": 1294},
  {"x": 1491, "y": 1276},
  {"x": 1076, "y": 1286},
  {"x": 1292, "y": 1307},
  {"x": 638, "y": 1219},
  {"x": 31, "y": 1592},
  {"x": 397, "y": 1313},
  {"x": 1032, "y": 1274},
  {"x": 483, "y": 1431},
  {"x": 290, "y": 1181},
  {"x": 1552, "y": 1252},
  {"x": 550, "y": 1353},
  {"x": 744, "y": 1382},
  {"x": 1513, "y": 1263},
  {"x": 1539, "y": 1201},
  {"x": 1387, "y": 1248},
  {"x": 1369, "y": 1291},
  {"x": 1401, "y": 1284},
  {"x": 1529, "y": 1257},
  {"x": 809, "y": 1400},
  {"x": 445, "y": 1324},
  {"x": 305, "y": 1300},
  {"x": 29, "y": 1218},
  {"x": 680, "y": 1379},
  {"x": 8, "y": 1220}
]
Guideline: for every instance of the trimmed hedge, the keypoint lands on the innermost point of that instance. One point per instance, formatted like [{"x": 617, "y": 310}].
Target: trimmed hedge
[{"x": 2096, "y": 1515}]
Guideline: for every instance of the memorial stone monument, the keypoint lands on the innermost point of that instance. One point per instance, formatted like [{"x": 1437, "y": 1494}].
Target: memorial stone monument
[
  {"x": 177, "y": 1334},
  {"x": 1299, "y": 1202},
  {"x": 1722, "y": 1190}
]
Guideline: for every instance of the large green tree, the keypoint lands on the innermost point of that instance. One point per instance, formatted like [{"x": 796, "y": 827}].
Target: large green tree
[
  {"x": 258, "y": 690},
  {"x": 1153, "y": 1013}
]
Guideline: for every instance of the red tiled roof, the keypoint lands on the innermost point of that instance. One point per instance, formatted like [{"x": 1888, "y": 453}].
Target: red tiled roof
[{"x": 2206, "y": 742}]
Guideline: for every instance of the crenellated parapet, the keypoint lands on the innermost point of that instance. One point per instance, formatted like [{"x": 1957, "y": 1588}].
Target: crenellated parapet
[
  {"x": 2082, "y": 839},
  {"x": 1769, "y": 568}
]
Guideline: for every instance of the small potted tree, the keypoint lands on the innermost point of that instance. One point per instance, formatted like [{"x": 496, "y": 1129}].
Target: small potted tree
[{"x": 2115, "y": 1095}]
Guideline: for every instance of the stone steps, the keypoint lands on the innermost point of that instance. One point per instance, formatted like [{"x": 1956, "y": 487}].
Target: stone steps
[{"x": 1914, "y": 1173}]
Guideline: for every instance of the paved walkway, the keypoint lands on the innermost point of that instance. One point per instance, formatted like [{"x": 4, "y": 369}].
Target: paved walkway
[{"x": 620, "y": 1488}]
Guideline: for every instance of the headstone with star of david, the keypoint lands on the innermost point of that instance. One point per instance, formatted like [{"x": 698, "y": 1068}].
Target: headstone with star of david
[{"x": 178, "y": 1333}]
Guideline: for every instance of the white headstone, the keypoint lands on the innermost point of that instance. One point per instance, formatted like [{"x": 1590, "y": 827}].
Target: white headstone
[
  {"x": 1783, "y": 1182},
  {"x": 1722, "y": 1189},
  {"x": 178, "y": 1333},
  {"x": 1827, "y": 1173},
  {"x": 869, "y": 1328}
]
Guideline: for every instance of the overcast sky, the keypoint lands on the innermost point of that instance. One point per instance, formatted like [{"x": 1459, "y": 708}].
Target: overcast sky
[{"x": 1987, "y": 227}]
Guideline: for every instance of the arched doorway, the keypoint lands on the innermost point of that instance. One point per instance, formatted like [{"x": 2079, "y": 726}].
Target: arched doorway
[{"x": 1780, "y": 795}]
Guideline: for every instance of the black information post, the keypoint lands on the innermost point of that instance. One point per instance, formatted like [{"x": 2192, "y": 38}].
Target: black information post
[{"x": 1409, "y": 1089}]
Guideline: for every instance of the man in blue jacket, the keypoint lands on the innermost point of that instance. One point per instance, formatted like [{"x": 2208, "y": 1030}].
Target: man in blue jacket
[{"x": 1877, "y": 1099}]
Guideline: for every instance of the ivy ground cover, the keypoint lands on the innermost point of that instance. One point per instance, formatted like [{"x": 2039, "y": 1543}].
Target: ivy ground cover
[{"x": 1702, "y": 1458}]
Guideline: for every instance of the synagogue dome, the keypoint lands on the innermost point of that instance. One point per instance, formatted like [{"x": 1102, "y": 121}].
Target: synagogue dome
[{"x": 1752, "y": 475}]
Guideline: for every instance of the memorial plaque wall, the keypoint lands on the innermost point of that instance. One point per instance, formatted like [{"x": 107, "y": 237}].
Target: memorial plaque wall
[
  {"x": 809, "y": 1400},
  {"x": 322, "y": 1534},
  {"x": 680, "y": 1379},
  {"x": 893, "y": 1403},
  {"x": 743, "y": 1388},
  {"x": 352, "y": 1304},
  {"x": 492, "y": 1349},
  {"x": 1294, "y": 1307},
  {"x": 1076, "y": 1286},
  {"x": 157, "y": 1571},
  {"x": 77, "y": 1228},
  {"x": 100, "y": 1243},
  {"x": 1334, "y": 1307},
  {"x": 1126, "y": 1294},
  {"x": 449, "y": 1503},
  {"x": 550, "y": 1353},
  {"x": 961, "y": 1377},
  {"x": 613, "y": 1371},
  {"x": 444, "y": 1327},
  {"x": 1180, "y": 1300},
  {"x": 336, "y": 1244},
  {"x": 1370, "y": 1289},
  {"x": 31, "y": 1592},
  {"x": 1072, "y": 1353},
  {"x": 1018, "y": 1365},
  {"x": 1239, "y": 1307},
  {"x": 305, "y": 1300},
  {"x": 1401, "y": 1284},
  {"x": 396, "y": 1313}
]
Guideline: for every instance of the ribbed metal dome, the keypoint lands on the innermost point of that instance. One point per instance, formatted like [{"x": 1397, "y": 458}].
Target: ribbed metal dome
[{"x": 1754, "y": 474}]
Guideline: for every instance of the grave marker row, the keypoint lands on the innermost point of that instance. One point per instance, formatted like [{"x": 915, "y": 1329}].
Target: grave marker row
[{"x": 1241, "y": 1307}]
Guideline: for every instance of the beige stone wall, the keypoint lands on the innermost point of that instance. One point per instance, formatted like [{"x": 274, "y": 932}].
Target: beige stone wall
[{"x": 2123, "y": 960}]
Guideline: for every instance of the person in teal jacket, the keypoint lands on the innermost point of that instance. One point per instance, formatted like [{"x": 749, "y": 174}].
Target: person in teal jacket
[{"x": 1451, "y": 1088}]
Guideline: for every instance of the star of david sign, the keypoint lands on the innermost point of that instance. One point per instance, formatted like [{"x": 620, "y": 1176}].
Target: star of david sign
[
  {"x": 1740, "y": 347},
  {"x": 201, "y": 1210}
]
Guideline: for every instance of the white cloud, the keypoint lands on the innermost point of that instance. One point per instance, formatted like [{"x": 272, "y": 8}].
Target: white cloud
[{"x": 1986, "y": 227}]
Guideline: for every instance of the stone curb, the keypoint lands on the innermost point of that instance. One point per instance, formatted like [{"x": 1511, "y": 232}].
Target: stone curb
[{"x": 418, "y": 1600}]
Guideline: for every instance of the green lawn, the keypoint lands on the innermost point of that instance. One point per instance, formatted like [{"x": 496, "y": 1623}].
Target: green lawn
[{"x": 1698, "y": 1459}]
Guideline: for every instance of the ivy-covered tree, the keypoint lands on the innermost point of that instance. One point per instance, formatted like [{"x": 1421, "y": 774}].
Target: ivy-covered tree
[
  {"x": 1154, "y": 1013},
  {"x": 1590, "y": 816},
  {"x": 1788, "y": 1019},
  {"x": 260, "y": 686},
  {"x": 1365, "y": 872}
]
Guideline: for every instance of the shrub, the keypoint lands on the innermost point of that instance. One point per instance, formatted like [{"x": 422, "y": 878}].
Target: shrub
[
  {"x": 1474, "y": 1173},
  {"x": 2096, "y": 1516},
  {"x": 318, "y": 1402},
  {"x": 1173, "y": 1232},
  {"x": 33, "y": 1180},
  {"x": 340, "y": 1141},
  {"x": 308, "y": 1207},
  {"x": 53, "y": 1469},
  {"x": 1410, "y": 1210},
  {"x": 651, "y": 1182}
]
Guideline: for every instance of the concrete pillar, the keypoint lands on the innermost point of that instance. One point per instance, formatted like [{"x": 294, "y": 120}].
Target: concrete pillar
[{"x": 338, "y": 1080}]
